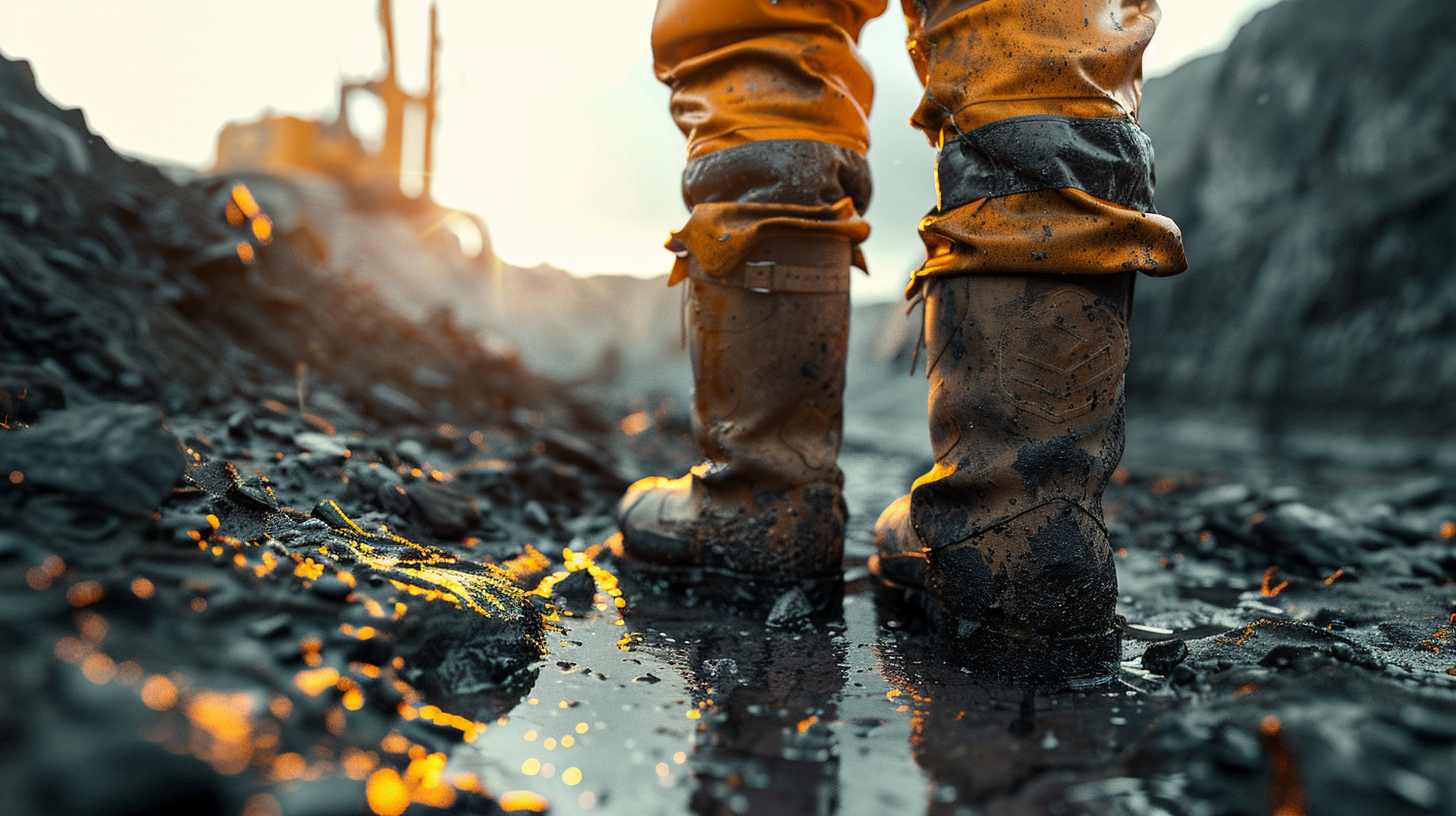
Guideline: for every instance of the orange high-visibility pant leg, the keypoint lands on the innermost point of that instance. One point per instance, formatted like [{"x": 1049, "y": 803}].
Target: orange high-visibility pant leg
[
  {"x": 1041, "y": 165},
  {"x": 774, "y": 100}
]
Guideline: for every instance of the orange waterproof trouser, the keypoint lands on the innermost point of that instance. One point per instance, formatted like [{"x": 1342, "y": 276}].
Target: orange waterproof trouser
[{"x": 1031, "y": 104}]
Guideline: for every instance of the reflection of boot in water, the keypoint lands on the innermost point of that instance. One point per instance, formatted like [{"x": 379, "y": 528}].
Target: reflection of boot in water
[
  {"x": 765, "y": 743},
  {"x": 1008, "y": 749}
]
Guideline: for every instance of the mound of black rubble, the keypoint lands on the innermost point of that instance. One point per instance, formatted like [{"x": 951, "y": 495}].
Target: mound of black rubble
[{"x": 265, "y": 545}]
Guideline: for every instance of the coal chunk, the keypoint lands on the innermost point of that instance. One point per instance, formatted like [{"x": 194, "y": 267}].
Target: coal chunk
[
  {"x": 576, "y": 590},
  {"x": 1162, "y": 658},
  {"x": 791, "y": 609}
]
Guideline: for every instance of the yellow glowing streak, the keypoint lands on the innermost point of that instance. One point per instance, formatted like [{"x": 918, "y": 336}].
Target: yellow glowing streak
[{"x": 512, "y": 801}]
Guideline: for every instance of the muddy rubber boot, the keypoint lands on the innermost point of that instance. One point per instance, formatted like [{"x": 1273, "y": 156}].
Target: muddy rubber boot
[
  {"x": 1003, "y": 541},
  {"x": 768, "y": 346}
]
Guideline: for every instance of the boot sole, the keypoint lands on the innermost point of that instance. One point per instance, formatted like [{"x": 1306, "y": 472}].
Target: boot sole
[{"x": 1054, "y": 661}]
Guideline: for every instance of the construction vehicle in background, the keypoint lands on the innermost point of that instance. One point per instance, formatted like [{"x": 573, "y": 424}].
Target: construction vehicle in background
[
  {"x": 288, "y": 146},
  {"x": 362, "y": 203}
]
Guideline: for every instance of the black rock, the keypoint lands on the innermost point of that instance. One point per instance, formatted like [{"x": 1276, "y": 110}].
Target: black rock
[
  {"x": 1319, "y": 539},
  {"x": 443, "y": 512},
  {"x": 1162, "y": 658},
  {"x": 791, "y": 609},
  {"x": 330, "y": 588},
  {"x": 1183, "y": 675},
  {"x": 577, "y": 590},
  {"x": 271, "y": 627},
  {"x": 116, "y": 456}
]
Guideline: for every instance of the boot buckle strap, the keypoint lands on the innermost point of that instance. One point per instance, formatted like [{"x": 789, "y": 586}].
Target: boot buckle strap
[{"x": 774, "y": 276}]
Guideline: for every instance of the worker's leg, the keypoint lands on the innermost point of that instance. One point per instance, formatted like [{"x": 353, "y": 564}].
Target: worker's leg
[
  {"x": 1045, "y": 214},
  {"x": 773, "y": 98}
]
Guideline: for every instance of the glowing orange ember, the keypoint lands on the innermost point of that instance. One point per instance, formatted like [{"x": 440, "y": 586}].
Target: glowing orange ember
[
  {"x": 128, "y": 673},
  {"x": 262, "y": 804},
  {"x": 359, "y": 764},
  {"x": 16, "y": 477},
  {"x": 222, "y": 729},
  {"x": 142, "y": 588},
  {"x": 245, "y": 252},
  {"x": 289, "y": 766},
  {"x": 423, "y": 780},
  {"x": 1270, "y": 591},
  {"x": 159, "y": 693},
  {"x": 1448, "y": 529},
  {"x": 386, "y": 794},
  {"x": 98, "y": 668},
  {"x": 37, "y": 578},
  {"x": 263, "y": 229},
  {"x": 334, "y": 720},
  {"x": 1163, "y": 486},
  {"x": 310, "y": 570},
  {"x": 469, "y": 782},
  {"x": 84, "y": 593},
  {"x": 314, "y": 682},
  {"x": 634, "y": 424}
]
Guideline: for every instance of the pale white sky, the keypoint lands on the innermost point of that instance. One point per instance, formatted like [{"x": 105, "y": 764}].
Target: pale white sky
[{"x": 551, "y": 125}]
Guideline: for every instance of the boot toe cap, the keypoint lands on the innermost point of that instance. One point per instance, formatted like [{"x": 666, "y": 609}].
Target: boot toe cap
[{"x": 899, "y": 555}]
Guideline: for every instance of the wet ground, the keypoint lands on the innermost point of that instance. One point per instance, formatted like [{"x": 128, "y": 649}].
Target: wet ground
[
  {"x": 1300, "y": 692},
  {"x": 1288, "y": 642}
]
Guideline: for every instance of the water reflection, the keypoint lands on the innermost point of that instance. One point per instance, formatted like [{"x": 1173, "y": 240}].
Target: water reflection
[
  {"x": 766, "y": 736},
  {"x": 995, "y": 747}
]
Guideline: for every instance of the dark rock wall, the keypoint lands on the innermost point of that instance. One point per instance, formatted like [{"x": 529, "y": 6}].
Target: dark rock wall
[{"x": 1311, "y": 167}]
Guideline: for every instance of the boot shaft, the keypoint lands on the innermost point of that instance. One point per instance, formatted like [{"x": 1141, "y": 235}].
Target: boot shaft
[{"x": 768, "y": 352}]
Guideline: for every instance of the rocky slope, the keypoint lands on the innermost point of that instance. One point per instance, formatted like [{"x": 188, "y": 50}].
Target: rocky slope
[{"x": 1311, "y": 168}]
